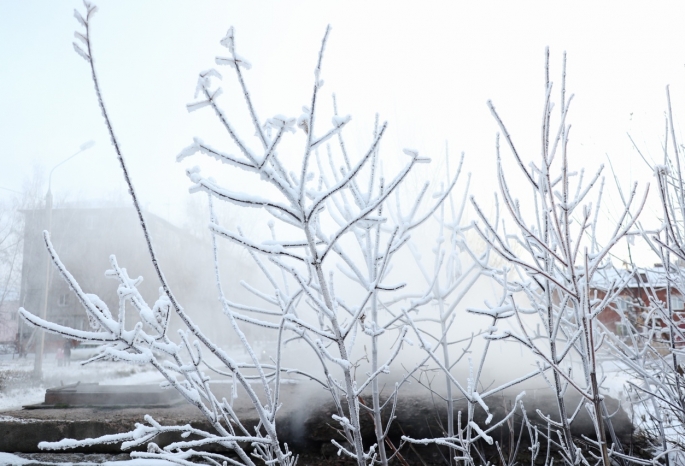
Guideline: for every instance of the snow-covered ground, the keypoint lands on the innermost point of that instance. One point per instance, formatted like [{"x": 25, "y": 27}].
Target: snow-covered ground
[{"x": 18, "y": 387}]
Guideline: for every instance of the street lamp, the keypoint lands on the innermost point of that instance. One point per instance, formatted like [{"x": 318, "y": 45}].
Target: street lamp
[{"x": 38, "y": 361}]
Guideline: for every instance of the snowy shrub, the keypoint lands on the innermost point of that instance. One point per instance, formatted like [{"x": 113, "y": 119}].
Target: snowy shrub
[
  {"x": 337, "y": 222},
  {"x": 651, "y": 350},
  {"x": 554, "y": 256},
  {"x": 329, "y": 284}
]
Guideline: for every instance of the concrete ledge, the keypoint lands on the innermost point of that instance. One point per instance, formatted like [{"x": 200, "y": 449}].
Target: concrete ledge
[
  {"x": 81, "y": 395},
  {"x": 304, "y": 422},
  {"x": 21, "y": 431}
]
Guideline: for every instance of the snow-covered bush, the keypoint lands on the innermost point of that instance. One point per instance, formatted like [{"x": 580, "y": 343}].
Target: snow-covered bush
[
  {"x": 652, "y": 349},
  {"x": 336, "y": 224},
  {"x": 327, "y": 263},
  {"x": 554, "y": 254}
]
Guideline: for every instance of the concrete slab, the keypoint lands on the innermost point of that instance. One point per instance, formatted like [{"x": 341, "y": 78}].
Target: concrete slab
[
  {"x": 304, "y": 421},
  {"x": 22, "y": 430},
  {"x": 108, "y": 396}
]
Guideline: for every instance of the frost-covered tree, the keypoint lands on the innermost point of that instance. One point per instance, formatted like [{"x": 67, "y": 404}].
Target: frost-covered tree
[
  {"x": 450, "y": 272},
  {"x": 12, "y": 234},
  {"x": 326, "y": 259},
  {"x": 11, "y": 241},
  {"x": 554, "y": 254},
  {"x": 651, "y": 349}
]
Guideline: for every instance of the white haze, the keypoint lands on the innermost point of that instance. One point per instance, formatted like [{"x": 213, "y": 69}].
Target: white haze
[{"x": 426, "y": 69}]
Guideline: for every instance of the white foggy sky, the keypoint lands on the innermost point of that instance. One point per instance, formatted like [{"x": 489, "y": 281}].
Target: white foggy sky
[{"x": 428, "y": 68}]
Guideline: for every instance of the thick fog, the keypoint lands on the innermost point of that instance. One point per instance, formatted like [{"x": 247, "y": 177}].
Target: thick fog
[{"x": 428, "y": 70}]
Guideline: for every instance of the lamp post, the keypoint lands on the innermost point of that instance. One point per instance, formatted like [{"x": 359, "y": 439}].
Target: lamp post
[{"x": 38, "y": 361}]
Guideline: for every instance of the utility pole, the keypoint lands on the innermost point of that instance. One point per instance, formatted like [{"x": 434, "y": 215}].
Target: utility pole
[{"x": 40, "y": 345}]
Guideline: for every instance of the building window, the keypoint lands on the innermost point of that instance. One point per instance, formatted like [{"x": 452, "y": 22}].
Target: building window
[
  {"x": 622, "y": 329},
  {"x": 63, "y": 299},
  {"x": 677, "y": 303},
  {"x": 624, "y": 305}
]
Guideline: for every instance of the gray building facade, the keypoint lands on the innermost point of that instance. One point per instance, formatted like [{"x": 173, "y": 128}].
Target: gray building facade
[{"x": 84, "y": 239}]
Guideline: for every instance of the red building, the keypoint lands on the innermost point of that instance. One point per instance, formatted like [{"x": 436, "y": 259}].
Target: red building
[{"x": 641, "y": 298}]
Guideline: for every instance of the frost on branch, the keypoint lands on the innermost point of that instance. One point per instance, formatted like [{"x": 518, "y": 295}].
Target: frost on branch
[
  {"x": 554, "y": 258},
  {"x": 651, "y": 346},
  {"x": 327, "y": 264}
]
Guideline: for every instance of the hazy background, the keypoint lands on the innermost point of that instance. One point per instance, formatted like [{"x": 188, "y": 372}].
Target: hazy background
[{"x": 426, "y": 67}]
